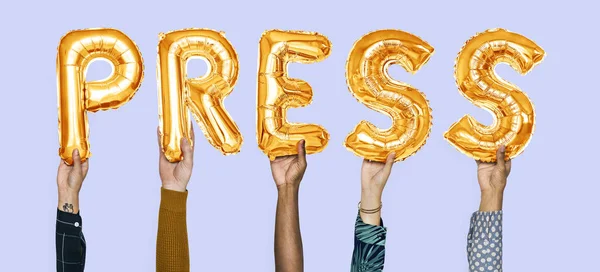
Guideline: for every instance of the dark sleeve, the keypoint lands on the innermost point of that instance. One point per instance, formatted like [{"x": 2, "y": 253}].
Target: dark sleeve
[
  {"x": 70, "y": 243},
  {"x": 484, "y": 242},
  {"x": 369, "y": 247}
]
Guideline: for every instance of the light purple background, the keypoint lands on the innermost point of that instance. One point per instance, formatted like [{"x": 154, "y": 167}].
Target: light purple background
[{"x": 551, "y": 205}]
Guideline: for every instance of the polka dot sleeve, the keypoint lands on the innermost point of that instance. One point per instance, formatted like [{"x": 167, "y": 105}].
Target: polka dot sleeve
[{"x": 484, "y": 242}]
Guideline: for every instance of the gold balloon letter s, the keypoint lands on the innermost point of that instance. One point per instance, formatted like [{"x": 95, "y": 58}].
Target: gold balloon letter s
[
  {"x": 77, "y": 49},
  {"x": 514, "y": 116},
  {"x": 203, "y": 96},
  {"x": 276, "y": 92},
  {"x": 368, "y": 79}
]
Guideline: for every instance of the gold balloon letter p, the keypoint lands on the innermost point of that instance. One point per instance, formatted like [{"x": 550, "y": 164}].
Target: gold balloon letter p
[
  {"x": 77, "y": 49},
  {"x": 277, "y": 92},
  {"x": 203, "y": 96}
]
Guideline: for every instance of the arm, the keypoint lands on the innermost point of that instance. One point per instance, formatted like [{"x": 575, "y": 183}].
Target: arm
[
  {"x": 484, "y": 241},
  {"x": 70, "y": 242},
  {"x": 288, "y": 172},
  {"x": 172, "y": 250},
  {"x": 369, "y": 232}
]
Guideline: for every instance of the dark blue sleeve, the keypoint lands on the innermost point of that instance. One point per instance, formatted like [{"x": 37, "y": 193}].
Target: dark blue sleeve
[{"x": 70, "y": 243}]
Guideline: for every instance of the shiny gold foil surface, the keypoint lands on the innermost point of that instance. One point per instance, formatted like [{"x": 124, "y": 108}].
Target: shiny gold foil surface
[
  {"x": 513, "y": 112},
  {"x": 76, "y": 97},
  {"x": 277, "y": 92},
  {"x": 203, "y": 97},
  {"x": 369, "y": 82}
]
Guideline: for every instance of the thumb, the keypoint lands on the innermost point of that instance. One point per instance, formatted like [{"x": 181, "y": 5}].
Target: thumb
[
  {"x": 302, "y": 152},
  {"x": 188, "y": 152},
  {"x": 76, "y": 159},
  {"x": 389, "y": 162},
  {"x": 500, "y": 155}
]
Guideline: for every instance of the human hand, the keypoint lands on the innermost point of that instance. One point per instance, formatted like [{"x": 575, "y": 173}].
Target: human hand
[
  {"x": 288, "y": 170},
  {"x": 374, "y": 176},
  {"x": 69, "y": 180},
  {"x": 492, "y": 179},
  {"x": 175, "y": 176}
]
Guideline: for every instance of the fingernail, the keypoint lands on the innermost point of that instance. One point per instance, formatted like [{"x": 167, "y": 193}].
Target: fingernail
[
  {"x": 502, "y": 148},
  {"x": 77, "y": 152}
]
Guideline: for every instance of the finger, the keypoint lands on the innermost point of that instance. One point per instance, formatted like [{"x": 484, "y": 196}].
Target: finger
[
  {"x": 159, "y": 139},
  {"x": 188, "y": 152},
  {"x": 508, "y": 165},
  {"x": 389, "y": 162},
  {"x": 302, "y": 152},
  {"x": 192, "y": 136},
  {"x": 76, "y": 159},
  {"x": 161, "y": 153},
  {"x": 63, "y": 164},
  {"x": 500, "y": 156},
  {"x": 85, "y": 167}
]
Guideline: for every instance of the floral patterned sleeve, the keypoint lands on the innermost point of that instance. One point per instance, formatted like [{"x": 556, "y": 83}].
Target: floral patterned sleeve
[
  {"x": 484, "y": 242},
  {"x": 369, "y": 247}
]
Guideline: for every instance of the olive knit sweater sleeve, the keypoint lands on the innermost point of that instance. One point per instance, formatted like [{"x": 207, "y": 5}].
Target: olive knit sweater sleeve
[{"x": 172, "y": 252}]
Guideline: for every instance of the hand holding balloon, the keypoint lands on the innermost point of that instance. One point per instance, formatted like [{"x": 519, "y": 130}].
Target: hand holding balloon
[
  {"x": 175, "y": 176},
  {"x": 374, "y": 176},
  {"x": 289, "y": 170},
  {"x": 69, "y": 180},
  {"x": 492, "y": 181}
]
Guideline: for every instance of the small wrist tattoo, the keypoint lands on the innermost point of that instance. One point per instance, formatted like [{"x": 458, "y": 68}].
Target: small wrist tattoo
[{"x": 68, "y": 207}]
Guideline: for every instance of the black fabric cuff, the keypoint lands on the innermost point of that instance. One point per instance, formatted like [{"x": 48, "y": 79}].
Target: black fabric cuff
[{"x": 68, "y": 223}]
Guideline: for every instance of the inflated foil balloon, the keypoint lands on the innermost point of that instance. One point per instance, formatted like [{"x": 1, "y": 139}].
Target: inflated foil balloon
[
  {"x": 514, "y": 115},
  {"x": 369, "y": 82},
  {"x": 76, "y": 51},
  {"x": 277, "y": 92},
  {"x": 202, "y": 96}
]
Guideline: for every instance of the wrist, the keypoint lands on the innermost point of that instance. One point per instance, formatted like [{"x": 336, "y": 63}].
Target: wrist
[
  {"x": 288, "y": 187},
  {"x": 369, "y": 197},
  {"x": 491, "y": 200},
  {"x": 68, "y": 203},
  {"x": 492, "y": 193},
  {"x": 287, "y": 190},
  {"x": 370, "y": 200},
  {"x": 370, "y": 211},
  {"x": 172, "y": 187}
]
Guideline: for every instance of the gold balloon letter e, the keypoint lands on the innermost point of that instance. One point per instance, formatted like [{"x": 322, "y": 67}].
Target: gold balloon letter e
[{"x": 276, "y": 92}]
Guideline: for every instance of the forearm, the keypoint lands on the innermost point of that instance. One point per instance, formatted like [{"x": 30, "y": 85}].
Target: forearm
[
  {"x": 172, "y": 250},
  {"x": 68, "y": 201},
  {"x": 491, "y": 200},
  {"x": 288, "y": 240}
]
